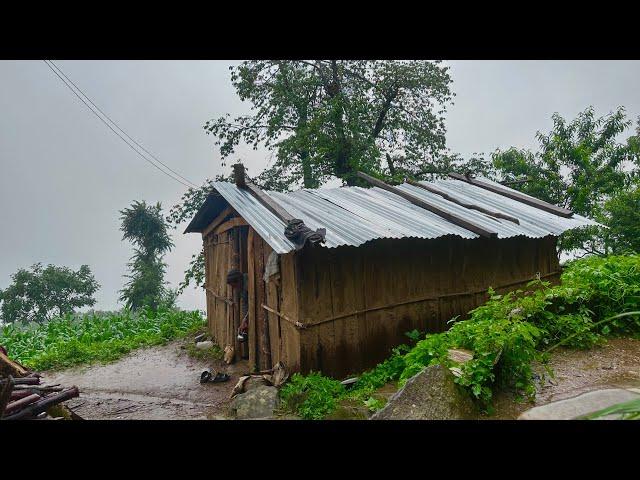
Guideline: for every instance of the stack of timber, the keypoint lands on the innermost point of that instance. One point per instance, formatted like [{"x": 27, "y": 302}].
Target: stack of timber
[{"x": 23, "y": 396}]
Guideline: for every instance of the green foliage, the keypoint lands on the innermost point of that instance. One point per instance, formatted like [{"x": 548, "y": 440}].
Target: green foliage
[
  {"x": 622, "y": 217},
  {"x": 333, "y": 117},
  {"x": 312, "y": 396},
  {"x": 146, "y": 228},
  {"x": 580, "y": 165},
  {"x": 39, "y": 293},
  {"x": 509, "y": 332},
  {"x": 74, "y": 339}
]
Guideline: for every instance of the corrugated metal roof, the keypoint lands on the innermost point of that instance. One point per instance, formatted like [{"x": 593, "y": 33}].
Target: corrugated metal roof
[{"x": 355, "y": 215}]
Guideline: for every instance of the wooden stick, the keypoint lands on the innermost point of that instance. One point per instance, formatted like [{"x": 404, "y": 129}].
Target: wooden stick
[
  {"x": 461, "y": 222},
  {"x": 534, "y": 202},
  {"x": 446, "y": 196},
  {"x": 282, "y": 315}
]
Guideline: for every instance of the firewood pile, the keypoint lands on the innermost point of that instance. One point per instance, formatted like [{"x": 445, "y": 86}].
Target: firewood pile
[{"x": 23, "y": 396}]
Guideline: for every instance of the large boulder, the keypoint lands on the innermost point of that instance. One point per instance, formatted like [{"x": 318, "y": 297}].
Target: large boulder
[
  {"x": 259, "y": 402},
  {"x": 431, "y": 394},
  {"x": 584, "y": 404}
]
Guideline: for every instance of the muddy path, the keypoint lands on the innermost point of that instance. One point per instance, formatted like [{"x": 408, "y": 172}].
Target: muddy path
[{"x": 156, "y": 383}]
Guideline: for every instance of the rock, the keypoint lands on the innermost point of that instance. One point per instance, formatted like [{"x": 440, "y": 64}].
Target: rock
[
  {"x": 584, "y": 404},
  {"x": 254, "y": 382},
  {"x": 206, "y": 345},
  {"x": 431, "y": 394},
  {"x": 459, "y": 355},
  {"x": 259, "y": 402}
]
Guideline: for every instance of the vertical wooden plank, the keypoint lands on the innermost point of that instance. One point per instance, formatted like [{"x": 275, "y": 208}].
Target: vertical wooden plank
[
  {"x": 251, "y": 274},
  {"x": 264, "y": 350},
  {"x": 291, "y": 336}
]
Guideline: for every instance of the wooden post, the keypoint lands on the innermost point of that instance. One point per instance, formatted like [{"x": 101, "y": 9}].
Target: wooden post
[
  {"x": 262, "y": 324},
  {"x": 239, "y": 175}
]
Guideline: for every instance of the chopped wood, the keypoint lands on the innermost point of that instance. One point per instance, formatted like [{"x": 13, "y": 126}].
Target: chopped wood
[
  {"x": 23, "y": 381},
  {"x": 450, "y": 217},
  {"x": 25, "y": 397},
  {"x": 42, "y": 405},
  {"x": 23, "y": 402},
  {"x": 471, "y": 206},
  {"x": 520, "y": 197}
]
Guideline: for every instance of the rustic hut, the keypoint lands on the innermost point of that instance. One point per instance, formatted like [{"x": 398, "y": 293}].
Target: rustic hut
[{"x": 337, "y": 276}]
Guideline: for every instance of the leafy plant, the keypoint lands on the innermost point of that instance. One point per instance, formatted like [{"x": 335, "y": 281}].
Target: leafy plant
[{"x": 73, "y": 339}]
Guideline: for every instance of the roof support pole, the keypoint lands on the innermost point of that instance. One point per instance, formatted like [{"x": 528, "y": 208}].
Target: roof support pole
[
  {"x": 295, "y": 229},
  {"x": 461, "y": 222},
  {"x": 534, "y": 202}
]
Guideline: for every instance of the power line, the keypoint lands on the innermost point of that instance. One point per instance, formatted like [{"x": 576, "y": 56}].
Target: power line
[
  {"x": 116, "y": 125},
  {"x": 55, "y": 69}
]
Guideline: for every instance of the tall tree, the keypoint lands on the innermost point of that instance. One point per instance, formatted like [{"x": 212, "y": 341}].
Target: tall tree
[
  {"x": 145, "y": 227},
  {"x": 328, "y": 118},
  {"x": 40, "y": 293},
  {"x": 580, "y": 165}
]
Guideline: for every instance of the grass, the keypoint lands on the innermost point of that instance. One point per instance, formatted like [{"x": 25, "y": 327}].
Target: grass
[
  {"x": 84, "y": 338},
  {"x": 598, "y": 297}
]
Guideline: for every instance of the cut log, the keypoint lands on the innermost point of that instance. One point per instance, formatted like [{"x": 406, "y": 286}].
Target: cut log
[
  {"x": 42, "y": 405},
  {"x": 23, "y": 402}
]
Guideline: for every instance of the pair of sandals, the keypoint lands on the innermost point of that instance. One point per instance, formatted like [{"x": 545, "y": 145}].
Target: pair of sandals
[{"x": 208, "y": 377}]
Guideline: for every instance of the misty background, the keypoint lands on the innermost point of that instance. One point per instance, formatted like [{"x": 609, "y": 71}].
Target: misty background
[{"x": 64, "y": 175}]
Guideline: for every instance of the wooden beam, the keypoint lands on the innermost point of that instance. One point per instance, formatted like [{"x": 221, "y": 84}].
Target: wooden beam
[
  {"x": 446, "y": 196},
  {"x": 534, "y": 202},
  {"x": 461, "y": 222},
  {"x": 232, "y": 223},
  {"x": 218, "y": 220},
  {"x": 269, "y": 204}
]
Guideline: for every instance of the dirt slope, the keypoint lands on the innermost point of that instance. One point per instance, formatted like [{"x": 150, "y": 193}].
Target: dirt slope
[{"x": 157, "y": 383}]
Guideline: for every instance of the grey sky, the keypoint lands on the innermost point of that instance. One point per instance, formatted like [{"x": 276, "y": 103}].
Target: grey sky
[{"x": 64, "y": 175}]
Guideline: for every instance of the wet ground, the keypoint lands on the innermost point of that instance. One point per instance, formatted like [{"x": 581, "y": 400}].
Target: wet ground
[
  {"x": 163, "y": 383},
  {"x": 155, "y": 383},
  {"x": 616, "y": 364}
]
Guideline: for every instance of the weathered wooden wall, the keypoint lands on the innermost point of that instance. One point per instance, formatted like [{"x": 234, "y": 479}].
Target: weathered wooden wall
[
  {"x": 273, "y": 338},
  {"x": 358, "y": 303},
  {"x": 218, "y": 259},
  {"x": 385, "y": 288}
]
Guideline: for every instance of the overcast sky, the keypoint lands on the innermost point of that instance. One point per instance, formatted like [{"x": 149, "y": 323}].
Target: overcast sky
[{"x": 64, "y": 176}]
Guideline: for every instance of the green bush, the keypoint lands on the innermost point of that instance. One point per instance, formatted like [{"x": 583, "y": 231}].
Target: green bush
[
  {"x": 75, "y": 339},
  {"x": 510, "y": 331}
]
